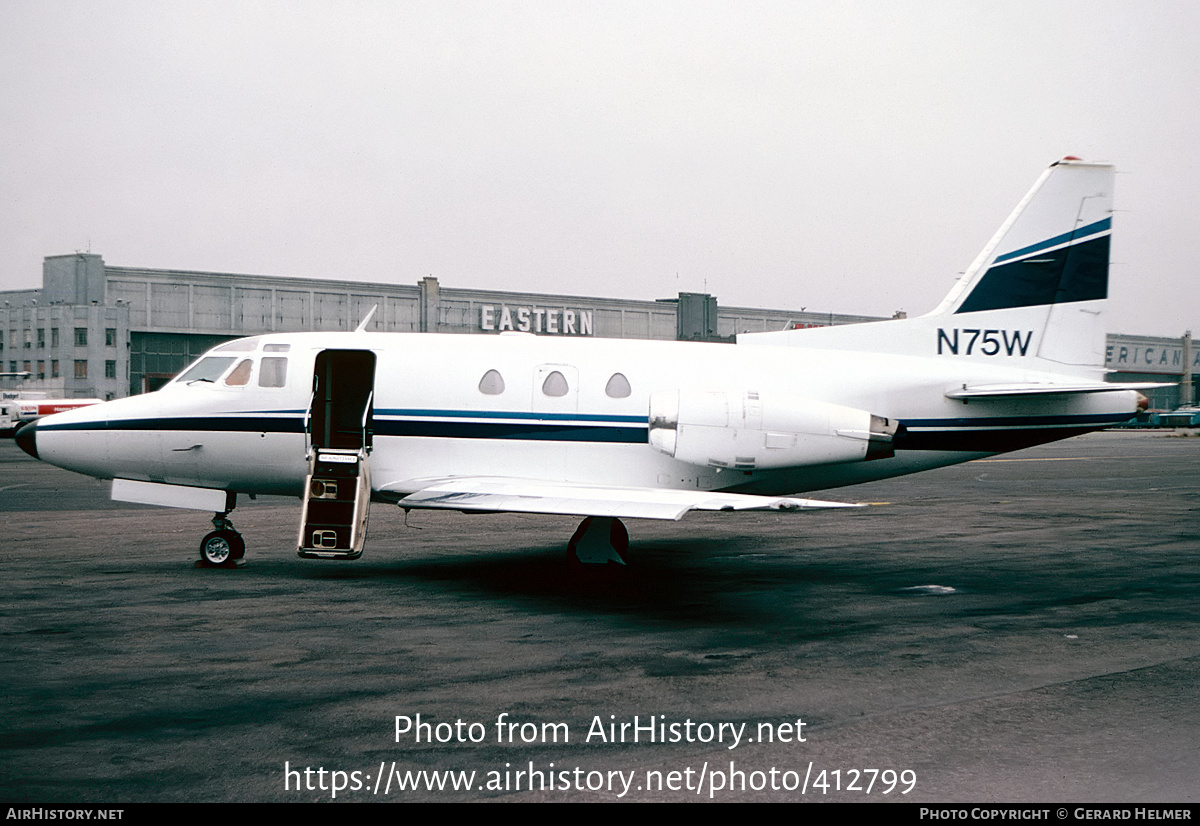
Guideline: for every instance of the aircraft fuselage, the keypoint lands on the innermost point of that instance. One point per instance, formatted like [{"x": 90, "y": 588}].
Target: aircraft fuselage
[{"x": 572, "y": 410}]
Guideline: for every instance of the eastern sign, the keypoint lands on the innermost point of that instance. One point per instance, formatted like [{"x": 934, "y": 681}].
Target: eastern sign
[{"x": 555, "y": 321}]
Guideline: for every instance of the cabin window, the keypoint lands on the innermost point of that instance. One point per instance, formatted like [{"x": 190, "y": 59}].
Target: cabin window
[
  {"x": 207, "y": 369},
  {"x": 555, "y": 385},
  {"x": 492, "y": 383},
  {"x": 240, "y": 345},
  {"x": 272, "y": 371},
  {"x": 617, "y": 387},
  {"x": 240, "y": 375}
]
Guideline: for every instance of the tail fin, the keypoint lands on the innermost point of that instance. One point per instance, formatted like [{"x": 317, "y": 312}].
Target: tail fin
[
  {"x": 1052, "y": 250},
  {"x": 1036, "y": 291}
]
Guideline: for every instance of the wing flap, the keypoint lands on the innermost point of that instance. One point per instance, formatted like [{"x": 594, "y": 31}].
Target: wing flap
[{"x": 498, "y": 494}]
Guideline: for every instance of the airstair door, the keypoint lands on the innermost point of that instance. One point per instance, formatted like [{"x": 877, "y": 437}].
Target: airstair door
[{"x": 339, "y": 431}]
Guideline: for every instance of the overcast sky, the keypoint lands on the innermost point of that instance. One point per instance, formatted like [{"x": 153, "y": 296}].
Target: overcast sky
[{"x": 839, "y": 156}]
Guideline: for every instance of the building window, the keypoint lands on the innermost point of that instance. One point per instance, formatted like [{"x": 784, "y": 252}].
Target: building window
[
  {"x": 81, "y": 336},
  {"x": 110, "y": 337},
  {"x": 81, "y": 368},
  {"x": 53, "y": 336},
  {"x": 110, "y": 369},
  {"x": 41, "y": 337},
  {"x": 28, "y": 339},
  {"x": 41, "y": 369},
  {"x": 54, "y": 369}
]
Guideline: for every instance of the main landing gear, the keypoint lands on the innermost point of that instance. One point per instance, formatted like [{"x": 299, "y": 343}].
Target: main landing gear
[
  {"x": 599, "y": 541},
  {"x": 224, "y": 546}
]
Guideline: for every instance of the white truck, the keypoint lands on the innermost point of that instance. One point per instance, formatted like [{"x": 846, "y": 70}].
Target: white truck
[{"x": 18, "y": 411}]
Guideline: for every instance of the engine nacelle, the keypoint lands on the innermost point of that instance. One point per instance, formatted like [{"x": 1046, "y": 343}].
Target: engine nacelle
[{"x": 748, "y": 430}]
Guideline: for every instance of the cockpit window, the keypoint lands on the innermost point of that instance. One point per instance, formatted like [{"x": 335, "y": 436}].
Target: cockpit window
[
  {"x": 207, "y": 369},
  {"x": 276, "y": 348},
  {"x": 272, "y": 370},
  {"x": 239, "y": 375},
  {"x": 240, "y": 345}
]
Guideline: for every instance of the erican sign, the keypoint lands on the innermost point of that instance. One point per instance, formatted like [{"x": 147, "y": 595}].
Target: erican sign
[
  {"x": 549, "y": 320},
  {"x": 1133, "y": 357}
]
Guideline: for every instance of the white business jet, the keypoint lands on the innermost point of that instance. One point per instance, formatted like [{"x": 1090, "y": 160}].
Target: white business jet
[{"x": 610, "y": 429}]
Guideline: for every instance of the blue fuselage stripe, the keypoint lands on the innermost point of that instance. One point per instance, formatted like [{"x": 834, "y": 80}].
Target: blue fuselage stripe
[
  {"x": 987, "y": 433},
  {"x": 507, "y": 414}
]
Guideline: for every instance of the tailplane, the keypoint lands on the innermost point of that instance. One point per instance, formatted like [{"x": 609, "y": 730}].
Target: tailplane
[{"x": 1036, "y": 292}]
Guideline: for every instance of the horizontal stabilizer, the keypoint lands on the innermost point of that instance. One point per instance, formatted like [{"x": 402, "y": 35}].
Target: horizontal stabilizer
[
  {"x": 497, "y": 494},
  {"x": 996, "y": 391}
]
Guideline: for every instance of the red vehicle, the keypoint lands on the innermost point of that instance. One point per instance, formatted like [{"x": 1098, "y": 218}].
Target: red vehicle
[{"x": 16, "y": 412}]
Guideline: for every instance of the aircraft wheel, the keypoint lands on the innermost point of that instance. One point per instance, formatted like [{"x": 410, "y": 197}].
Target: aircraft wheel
[
  {"x": 599, "y": 541},
  {"x": 221, "y": 548}
]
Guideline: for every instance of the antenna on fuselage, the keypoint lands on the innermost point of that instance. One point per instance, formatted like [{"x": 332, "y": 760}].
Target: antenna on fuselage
[{"x": 363, "y": 326}]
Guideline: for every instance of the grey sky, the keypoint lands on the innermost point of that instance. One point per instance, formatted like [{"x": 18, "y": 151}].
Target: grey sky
[{"x": 841, "y": 156}]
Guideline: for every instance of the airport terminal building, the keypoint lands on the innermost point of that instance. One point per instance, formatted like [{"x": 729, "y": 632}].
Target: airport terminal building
[{"x": 97, "y": 330}]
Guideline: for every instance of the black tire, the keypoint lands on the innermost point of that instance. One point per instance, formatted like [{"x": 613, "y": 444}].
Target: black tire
[
  {"x": 221, "y": 548},
  {"x": 618, "y": 541}
]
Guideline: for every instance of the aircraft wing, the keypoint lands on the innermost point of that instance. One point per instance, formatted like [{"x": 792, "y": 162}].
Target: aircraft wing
[{"x": 500, "y": 494}]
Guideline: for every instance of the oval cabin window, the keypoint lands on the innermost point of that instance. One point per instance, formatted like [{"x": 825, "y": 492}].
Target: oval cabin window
[
  {"x": 492, "y": 383},
  {"x": 555, "y": 384},
  {"x": 618, "y": 387}
]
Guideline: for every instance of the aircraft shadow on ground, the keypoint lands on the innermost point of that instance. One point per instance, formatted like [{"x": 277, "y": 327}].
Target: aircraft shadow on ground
[{"x": 682, "y": 581}]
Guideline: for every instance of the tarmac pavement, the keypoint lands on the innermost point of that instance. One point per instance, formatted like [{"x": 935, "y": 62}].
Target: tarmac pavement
[{"x": 1019, "y": 629}]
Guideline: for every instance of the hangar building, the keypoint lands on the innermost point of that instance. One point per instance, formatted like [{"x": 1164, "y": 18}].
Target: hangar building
[{"x": 97, "y": 330}]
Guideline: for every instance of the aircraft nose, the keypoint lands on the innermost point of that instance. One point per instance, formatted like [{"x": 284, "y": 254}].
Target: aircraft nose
[{"x": 27, "y": 439}]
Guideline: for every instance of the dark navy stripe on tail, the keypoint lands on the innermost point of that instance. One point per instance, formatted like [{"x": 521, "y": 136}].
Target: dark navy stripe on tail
[{"x": 1076, "y": 272}]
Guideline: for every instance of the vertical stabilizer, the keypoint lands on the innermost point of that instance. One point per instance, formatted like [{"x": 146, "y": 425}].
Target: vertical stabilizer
[
  {"x": 1052, "y": 250},
  {"x": 1036, "y": 292},
  {"x": 1052, "y": 254}
]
